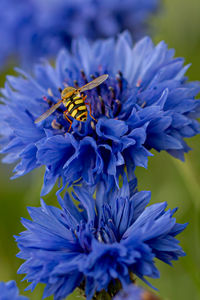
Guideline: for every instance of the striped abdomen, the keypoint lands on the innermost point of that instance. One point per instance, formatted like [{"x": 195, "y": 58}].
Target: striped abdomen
[{"x": 76, "y": 108}]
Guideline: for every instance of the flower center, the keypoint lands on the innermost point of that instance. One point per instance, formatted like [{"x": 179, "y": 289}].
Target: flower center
[{"x": 106, "y": 100}]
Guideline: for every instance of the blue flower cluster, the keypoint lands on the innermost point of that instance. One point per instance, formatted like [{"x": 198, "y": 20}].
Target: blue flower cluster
[
  {"x": 34, "y": 28},
  {"x": 9, "y": 291},
  {"x": 98, "y": 241},
  {"x": 146, "y": 103}
]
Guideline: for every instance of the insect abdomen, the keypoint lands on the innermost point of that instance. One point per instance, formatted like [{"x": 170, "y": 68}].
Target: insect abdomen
[{"x": 76, "y": 108}]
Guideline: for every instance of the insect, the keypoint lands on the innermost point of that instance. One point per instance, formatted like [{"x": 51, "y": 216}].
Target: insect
[{"x": 74, "y": 101}]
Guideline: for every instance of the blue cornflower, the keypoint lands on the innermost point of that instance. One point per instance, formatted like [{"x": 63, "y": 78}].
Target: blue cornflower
[
  {"x": 98, "y": 242},
  {"x": 9, "y": 291},
  {"x": 34, "y": 28},
  {"x": 145, "y": 103}
]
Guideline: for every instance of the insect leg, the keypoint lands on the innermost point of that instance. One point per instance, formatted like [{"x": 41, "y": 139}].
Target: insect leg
[
  {"x": 84, "y": 97},
  {"x": 65, "y": 114},
  {"x": 86, "y": 103}
]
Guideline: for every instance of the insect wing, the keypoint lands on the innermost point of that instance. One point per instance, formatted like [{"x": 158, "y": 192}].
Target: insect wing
[
  {"x": 92, "y": 84},
  {"x": 48, "y": 112}
]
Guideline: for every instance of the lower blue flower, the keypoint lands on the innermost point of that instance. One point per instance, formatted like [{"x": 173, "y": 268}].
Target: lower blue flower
[
  {"x": 98, "y": 241},
  {"x": 9, "y": 291}
]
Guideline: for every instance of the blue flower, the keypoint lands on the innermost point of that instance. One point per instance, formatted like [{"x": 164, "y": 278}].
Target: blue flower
[
  {"x": 97, "y": 242},
  {"x": 9, "y": 291},
  {"x": 33, "y": 28},
  {"x": 145, "y": 103}
]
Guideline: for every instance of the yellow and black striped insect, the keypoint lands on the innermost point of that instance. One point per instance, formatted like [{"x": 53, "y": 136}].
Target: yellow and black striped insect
[{"x": 74, "y": 101}]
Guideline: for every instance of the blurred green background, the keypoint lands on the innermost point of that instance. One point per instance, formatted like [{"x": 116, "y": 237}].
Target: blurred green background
[{"x": 168, "y": 179}]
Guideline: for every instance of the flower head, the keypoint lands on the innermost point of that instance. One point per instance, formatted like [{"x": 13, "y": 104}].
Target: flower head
[
  {"x": 97, "y": 242},
  {"x": 9, "y": 291},
  {"x": 145, "y": 103},
  {"x": 34, "y": 28}
]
